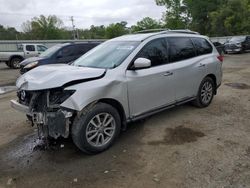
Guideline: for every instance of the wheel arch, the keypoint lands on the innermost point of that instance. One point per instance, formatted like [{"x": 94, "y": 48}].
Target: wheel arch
[
  {"x": 16, "y": 56},
  {"x": 213, "y": 77},
  {"x": 118, "y": 106}
]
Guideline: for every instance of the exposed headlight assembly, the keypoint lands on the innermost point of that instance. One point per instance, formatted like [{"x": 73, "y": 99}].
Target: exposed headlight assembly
[
  {"x": 57, "y": 97},
  {"x": 31, "y": 65}
]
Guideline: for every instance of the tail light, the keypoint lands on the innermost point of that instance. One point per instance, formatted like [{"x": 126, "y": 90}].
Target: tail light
[{"x": 220, "y": 58}]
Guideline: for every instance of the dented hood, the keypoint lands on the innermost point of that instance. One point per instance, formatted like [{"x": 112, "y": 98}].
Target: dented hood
[{"x": 53, "y": 76}]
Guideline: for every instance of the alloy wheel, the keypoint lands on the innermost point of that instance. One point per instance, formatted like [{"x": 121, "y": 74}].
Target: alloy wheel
[{"x": 100, "y": 129}]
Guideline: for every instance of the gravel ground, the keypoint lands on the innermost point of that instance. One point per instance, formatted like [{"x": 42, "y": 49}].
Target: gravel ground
[{"x": 181, "y": 147}]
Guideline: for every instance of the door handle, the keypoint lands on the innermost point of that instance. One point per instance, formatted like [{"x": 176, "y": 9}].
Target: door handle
[
  {"x": 168, "y": 73},
  {"x": 202, "y": 65}
]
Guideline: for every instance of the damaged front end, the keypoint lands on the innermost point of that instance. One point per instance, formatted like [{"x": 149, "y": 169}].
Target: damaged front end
[{"x": 44, "y": 111}]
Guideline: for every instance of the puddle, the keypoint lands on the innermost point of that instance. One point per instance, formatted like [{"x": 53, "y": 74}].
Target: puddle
[
  {"x": 178, "y": 136},
  {"x": 238, "y": 85},
  {"x": 7, "y": 89}
]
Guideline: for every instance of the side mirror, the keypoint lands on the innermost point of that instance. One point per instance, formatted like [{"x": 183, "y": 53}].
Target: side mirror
[{"x": 141, "y": 63}]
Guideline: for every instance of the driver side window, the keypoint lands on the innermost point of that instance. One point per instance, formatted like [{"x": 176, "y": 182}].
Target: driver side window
[{"x": 156, "y": 51}]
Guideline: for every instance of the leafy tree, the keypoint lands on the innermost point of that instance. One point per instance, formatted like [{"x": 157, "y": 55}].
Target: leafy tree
[
  {"x": 176, "y": 16},
  {"x": 199, "y": 12},
  {"x": 233, "y": 18},
  {"x": 116, "y": 29},
  {"x": 146, "y": 23},
  {"x": 43, "y": 27},
  {"x": 8, "y": 33}
]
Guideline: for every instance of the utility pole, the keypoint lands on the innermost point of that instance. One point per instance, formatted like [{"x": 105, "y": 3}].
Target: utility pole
[{"x": 73, "y": 26}]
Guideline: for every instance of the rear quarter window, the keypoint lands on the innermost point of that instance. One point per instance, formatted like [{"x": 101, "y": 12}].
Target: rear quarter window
[
  {"x": 202, "y": 46},
  {"x": 180, "y": 48}
]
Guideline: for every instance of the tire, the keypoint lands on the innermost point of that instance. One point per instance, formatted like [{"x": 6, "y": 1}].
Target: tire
[
  {"x": 89, "y": 135},
  {"x": 206, "y": 93},
  {"x": 15, "y": 62}
]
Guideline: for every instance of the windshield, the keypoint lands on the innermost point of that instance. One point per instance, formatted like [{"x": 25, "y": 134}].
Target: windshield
[
  {"x": 50, "y": 51},
  {"x": 237, "y": 39},
  {"x": 107, "y": 55}
]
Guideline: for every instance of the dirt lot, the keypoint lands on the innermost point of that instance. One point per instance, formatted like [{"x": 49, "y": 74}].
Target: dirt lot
[{"x": 183, "y": 147}]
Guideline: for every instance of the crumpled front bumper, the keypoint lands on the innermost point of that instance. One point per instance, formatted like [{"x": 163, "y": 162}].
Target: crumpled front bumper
[{"x": 53, "y": 124}]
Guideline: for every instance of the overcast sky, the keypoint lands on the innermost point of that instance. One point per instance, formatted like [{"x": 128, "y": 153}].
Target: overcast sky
[{"x": 86, "y": 12}]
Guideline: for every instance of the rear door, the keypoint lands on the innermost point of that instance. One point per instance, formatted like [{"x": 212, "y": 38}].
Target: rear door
[
  {"x": 189, "y": 68},
  {"x": 151, "y": 88}
]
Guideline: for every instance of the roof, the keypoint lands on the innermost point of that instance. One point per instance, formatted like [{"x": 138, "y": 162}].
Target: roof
[{"x": 142, "y": 36}]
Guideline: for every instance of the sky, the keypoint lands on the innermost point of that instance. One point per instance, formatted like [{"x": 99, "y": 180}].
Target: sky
[{"x": 85, "y": 12}]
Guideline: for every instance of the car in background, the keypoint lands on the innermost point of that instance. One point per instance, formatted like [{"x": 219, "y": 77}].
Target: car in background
[
  {"x": 13, "y": 57},
  {"x": 220, "y": 47},
  {"x": 59, "y": 54},
  {"x": 238, "y": 44}
]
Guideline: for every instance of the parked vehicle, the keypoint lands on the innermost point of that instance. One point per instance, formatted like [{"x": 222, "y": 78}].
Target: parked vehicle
[
  {"x": 238, "y": 44},
  {"x": 122, "y": 80},
  {"x": 13, "y": 58},
  {"x": 60, "y": 53},
  {"x": 220, "y": 47}
]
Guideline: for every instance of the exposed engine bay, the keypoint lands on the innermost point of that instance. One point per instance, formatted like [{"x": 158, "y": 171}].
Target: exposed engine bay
[{"x": 45, "y": 111}]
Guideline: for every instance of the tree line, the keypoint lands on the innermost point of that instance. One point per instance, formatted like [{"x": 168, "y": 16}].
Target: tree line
[{"x": 210, "y": 17}]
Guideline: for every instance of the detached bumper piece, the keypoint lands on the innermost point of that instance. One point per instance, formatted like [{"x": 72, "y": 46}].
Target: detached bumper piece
[{"x": 50, "y": 124}]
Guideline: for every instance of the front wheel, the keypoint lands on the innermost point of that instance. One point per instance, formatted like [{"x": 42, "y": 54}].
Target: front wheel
[
  {"x": 97, "y": 129},
  {"x": 206, "y": 93}
]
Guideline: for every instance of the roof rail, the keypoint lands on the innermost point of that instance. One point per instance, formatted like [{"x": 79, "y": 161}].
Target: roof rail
[
  {"x": 184, "y": 31},
  {"x": 163, "y": 31},
  {"x": 151, "y": 31}
]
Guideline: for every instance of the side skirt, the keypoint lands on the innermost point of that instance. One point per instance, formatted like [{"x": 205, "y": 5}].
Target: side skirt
[{"x": 160, "y": 109}]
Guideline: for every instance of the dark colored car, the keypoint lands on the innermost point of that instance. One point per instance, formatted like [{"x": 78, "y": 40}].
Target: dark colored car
[
  {"x": 61, "y": 53},
  {"x": 220, "y": 47},
  {"x": 238, "y": 44}
]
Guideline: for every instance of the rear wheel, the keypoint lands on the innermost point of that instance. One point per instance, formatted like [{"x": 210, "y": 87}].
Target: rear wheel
[
  {"x": 15, "y": 62},
  {"x": 206, "y": 93},
  {"x": 97, "y": 129}
]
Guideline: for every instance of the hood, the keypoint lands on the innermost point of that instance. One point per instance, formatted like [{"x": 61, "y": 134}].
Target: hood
[
  {"x": 30, "y": 60},
  {"x": 53, "y": 76}
]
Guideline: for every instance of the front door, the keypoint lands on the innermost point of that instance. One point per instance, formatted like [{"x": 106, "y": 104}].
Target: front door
[{"x": 151, "y": 88}]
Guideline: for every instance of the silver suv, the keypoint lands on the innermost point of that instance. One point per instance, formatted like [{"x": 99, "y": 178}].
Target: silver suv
[{"x": 122, "y": 80}]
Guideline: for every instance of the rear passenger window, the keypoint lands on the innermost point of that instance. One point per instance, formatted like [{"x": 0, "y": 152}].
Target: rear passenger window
[
  {"x": 180, "y": 48},
  {"x": 202, "y": 46},
  {"x": 156, "y": 51}
]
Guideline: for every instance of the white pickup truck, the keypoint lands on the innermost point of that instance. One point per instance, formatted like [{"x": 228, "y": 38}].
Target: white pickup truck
[{"x": 12, "y": 58}]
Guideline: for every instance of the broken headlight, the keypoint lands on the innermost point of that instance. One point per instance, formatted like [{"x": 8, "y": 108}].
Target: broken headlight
[{"x": 57, "y": 97}]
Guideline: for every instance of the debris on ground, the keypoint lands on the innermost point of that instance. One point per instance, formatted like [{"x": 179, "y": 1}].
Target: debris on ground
[
  {"x": 10, "y": 181},
  {"x": 106, "y": 171},
  {"x": 155, "y": 178}
]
